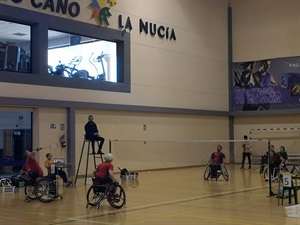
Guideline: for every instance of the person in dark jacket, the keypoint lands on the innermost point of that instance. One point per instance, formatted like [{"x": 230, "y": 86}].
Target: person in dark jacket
[{"x": 92, "y": 134}]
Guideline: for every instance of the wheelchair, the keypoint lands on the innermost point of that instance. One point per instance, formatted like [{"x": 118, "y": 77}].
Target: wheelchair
[
  {"x": 214, "y": 171},
  {"x": 274, "y": 173},
  {"x": 113, "y": 192},
  {"x": 45, "y": 189}
]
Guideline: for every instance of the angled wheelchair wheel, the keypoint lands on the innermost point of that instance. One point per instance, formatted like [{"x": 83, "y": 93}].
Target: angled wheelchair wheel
[
  {"x": 94, "y": 197},
  {"x": 266, "y": 173},
  {"x": 116, "y": 195},
  {"x": 45, "y": 190},
  {"x": 134, "y": 183},
  {"x": 30, "y": 193},
  {"x": 225, "y": 173},
  {"x": 206, "y": 173}
]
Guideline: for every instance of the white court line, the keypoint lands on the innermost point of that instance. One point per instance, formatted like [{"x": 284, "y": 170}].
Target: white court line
[
  {"x": 85, "y": 218},
  {"x": 191, "y": 141}
]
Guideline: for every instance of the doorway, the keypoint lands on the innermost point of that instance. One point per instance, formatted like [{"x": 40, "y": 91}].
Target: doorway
[{"x": 15, "y": 138}]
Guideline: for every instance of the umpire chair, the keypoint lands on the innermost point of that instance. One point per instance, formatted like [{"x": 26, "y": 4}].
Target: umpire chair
[{"x": 95, "y": 156}]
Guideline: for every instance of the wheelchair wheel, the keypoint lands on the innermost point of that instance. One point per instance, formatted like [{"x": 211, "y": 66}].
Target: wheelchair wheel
[
  {"x": 266, "y": 173},
  {"x": 45, "y": 190},
  {"x": 94, "y": 197},
  {"x": 134, "y": 183},
  {"x": 225, "y": 173},
  {"x": 30, "y": 193},
  {"x": 116, "y": 195},
  {"x": 206, "y": 173}
]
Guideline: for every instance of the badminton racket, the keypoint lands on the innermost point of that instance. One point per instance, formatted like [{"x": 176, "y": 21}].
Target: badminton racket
[
  {"x": 204, "y": 162},
  {"x": 52, "y": 147},
  {"x": 134, "y": 183}
]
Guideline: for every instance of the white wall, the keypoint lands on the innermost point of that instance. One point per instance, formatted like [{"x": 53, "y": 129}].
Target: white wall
[
  {"x": 169, "y": 141},
  {"x": 44, "y": 136},
  {"x": 167, "y": 138},
  {"x": 179, "y": 74},
  {"x": 265, "y": 29}
]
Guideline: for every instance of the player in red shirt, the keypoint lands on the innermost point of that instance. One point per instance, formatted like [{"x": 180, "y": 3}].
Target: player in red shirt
[
  {"x": 31, "y": 166},
  {"x": 105, "y": 171}
]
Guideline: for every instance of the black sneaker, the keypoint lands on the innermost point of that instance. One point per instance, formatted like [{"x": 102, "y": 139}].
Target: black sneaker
[
  {"x": 68, "y": 183},
  {"x": 100, "y": 152}
]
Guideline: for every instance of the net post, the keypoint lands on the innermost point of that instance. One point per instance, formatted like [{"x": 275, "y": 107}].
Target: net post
[
  {"x": 109, "y": 146},
  {"x": 271, "y": 193},
  {"x": 269, "y": 165}
]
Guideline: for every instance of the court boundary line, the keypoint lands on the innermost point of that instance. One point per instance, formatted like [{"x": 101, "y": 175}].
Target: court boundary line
[{"x": 136, "y": 208}]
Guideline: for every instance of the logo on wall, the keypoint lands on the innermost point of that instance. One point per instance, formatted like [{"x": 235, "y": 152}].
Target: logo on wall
[{"x": 101, "y": 10}]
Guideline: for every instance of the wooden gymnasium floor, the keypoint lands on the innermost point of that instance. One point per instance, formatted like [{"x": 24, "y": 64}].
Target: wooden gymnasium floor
[{"x": 166, "y": 197}]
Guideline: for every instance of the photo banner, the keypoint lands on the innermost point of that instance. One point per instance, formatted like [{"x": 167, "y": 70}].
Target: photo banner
[{"x": 266, "y": 84}]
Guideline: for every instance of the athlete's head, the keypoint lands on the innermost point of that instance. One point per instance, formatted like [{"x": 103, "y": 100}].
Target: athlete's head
[
  {"x": 108, "y": 157},
  {"x": 219, "y": 148}
]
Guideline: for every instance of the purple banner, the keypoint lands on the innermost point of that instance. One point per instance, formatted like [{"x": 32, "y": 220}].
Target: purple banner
[{"x": 267, "y": 84}]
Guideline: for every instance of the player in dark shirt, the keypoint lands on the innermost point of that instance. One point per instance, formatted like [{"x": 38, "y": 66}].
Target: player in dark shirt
[
  {"x": 216, "y": 160},
  {"x": 92, "y": 134}
]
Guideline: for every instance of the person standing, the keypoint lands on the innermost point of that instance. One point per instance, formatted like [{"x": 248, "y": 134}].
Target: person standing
[
  {"x": 247, "y": 151},
  {"x": 92, "y": 134}
]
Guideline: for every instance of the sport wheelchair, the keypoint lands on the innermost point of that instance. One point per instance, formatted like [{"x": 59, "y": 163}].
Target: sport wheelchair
[
  {"x": 113, "y": 192},
  {"x": 214, "y": 171},
  {"x": 44, "y": 189},
  {"x": 275, "y": 172}
]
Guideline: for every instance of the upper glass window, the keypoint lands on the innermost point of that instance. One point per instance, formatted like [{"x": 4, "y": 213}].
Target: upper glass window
[
  {"x": 15, "y": 47},
  {"x": 75, "y": 56}
]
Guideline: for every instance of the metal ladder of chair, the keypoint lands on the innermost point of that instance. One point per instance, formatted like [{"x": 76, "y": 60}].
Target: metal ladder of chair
[{"x": 95, "y": 156}]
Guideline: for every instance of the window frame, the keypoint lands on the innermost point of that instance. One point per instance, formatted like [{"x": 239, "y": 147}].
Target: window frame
[{"x": 39, "y": 45}]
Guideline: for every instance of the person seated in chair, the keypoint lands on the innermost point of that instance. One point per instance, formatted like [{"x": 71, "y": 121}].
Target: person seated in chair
[
  {"x": 264, "y": 159},
  {"x": 275, "y": 162},
  {"x": 282, "y": 153},
  {"x": 104, "y": 173},
  {"x": 92, "y": 134},
  {"x": 216, "y": 160},
  {"x": 59, "y": 172},
  {"x": 32, "y": 167}
]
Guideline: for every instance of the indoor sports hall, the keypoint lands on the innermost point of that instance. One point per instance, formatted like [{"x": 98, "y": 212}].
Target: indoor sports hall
[{"x": 191, "y": 105}]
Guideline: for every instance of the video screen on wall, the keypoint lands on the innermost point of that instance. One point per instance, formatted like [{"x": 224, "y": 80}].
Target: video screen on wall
[{"x": 73, "y": 56}]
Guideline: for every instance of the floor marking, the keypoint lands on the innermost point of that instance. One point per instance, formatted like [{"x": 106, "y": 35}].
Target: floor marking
[{"x": 117, "y": 211}]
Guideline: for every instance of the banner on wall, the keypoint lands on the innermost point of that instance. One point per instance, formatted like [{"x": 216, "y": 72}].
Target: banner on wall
[{"x": 267, "y": 84}]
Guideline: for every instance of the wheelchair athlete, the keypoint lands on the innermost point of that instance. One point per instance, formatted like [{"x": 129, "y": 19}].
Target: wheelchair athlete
[
  {"x": 36, "y": 185},
  {"x": 276, "y": 164},
  {"x": 106, "y": 186},
  {"x": 104, "y": 173},
  {"x": 216, "y": 160},
  {"x": 32, "y": 167}
]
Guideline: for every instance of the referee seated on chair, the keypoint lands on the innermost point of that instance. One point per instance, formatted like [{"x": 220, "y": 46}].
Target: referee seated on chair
[{"x": 92, "y": 134}]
